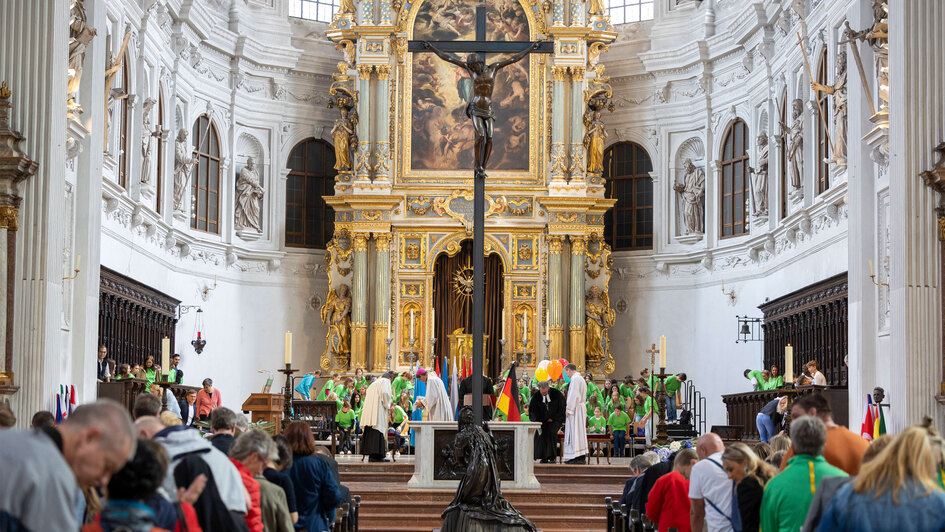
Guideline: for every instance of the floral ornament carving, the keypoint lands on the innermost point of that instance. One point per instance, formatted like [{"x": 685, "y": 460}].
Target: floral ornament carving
[
  {"x": 525, "y": 252},
  {"x": 419, "y": 205}
]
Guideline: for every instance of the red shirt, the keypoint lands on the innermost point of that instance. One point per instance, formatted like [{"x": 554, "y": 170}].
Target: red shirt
[
  {"x": 254, "y": 515},
  {"x": 207, "y": 403},
  {"x": 668, "y": 503}
]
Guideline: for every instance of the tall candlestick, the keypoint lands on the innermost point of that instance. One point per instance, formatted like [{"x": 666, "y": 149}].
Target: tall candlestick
[
  {"x": 662, "y": 351},
  {"x": 788, "y": 363},
  {"x": 165, "y": 354},
  {"x": 288, "y": 348},
  {"x": 411, "y": 324}
]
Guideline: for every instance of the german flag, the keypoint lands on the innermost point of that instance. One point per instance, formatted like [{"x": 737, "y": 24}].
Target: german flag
[{"x": 508, "y": 400}]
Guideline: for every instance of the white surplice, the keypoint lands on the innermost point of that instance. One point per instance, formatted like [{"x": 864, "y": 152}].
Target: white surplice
[
  {"x": 575, "y": 426},
  {"x": 377, "y": 402},
  {"x": 436, "y": 402}
]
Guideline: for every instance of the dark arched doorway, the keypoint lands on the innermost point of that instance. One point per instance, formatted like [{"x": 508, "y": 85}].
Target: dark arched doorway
[{"x": 453, "y": 303}]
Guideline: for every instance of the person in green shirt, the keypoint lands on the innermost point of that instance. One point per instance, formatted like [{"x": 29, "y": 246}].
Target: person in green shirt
[
  {"x": 345, "y": 419},
  {"x": 672, "y": 384},
  {"x": 776, "y": 380},
  {"x": 359, "y": 378},
  {"x": 787, "y": 496},
  {"x": 398, "y": 425},
  {"x": 628, "y": 387},
  {"x": 592, "y": 405},
  {"x": 649, "y": 379},
  {"x": 174, "y": 374},
  {"x": 152, "y": 372},
  {"x": 343, "y": 387},
  {"x": 328, "y": 387},
  {"x": 619, "y": 423},
  {"x": 643, "y": 410},
  {"x": 402, "y": 382},
  {"x": 592, "y": 389},
  {"x": 523, "y": 391},
  {"x": 597, "y": 424},
  {"x": 756, "y": 377},
  {"x": 616, "y": 398},
  {"x": 525, "y": 418}
]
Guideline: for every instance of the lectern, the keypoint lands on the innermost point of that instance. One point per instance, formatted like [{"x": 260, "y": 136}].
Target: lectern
[{"x": 266, "y": 407}]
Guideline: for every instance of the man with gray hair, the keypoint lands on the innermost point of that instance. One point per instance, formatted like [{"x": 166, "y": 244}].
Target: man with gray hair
[
  {"x": 250, "y": 453},
  {"x": 44, "y": 469},
  {"x": 638, "y": 466},
  {"x": 787, "y": 496},
  {"x": 223, "y": 425}
]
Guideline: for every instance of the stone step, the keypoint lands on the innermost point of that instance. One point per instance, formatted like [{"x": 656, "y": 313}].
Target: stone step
[{"x": 431, "y": 520}]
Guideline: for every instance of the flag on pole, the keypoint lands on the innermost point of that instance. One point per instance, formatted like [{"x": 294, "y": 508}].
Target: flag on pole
[
  {"x": 454, "y": 389},
  {"x": 72, "y": 403},
  {"x": 58, "y": 409},
  {"x": 508, "y": 400},
  {"x": 869, "y": 424},
  {"x": 445, "y": 377},
  {"x": 879, "y": 428},
  {"x": 437, "y": 368}
]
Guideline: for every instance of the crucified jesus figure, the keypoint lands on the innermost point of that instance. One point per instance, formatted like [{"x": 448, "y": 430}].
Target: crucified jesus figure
[{"x": 479, "y": 108}]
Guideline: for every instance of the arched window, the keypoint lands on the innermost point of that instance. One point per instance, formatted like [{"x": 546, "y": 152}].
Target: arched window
[
  {"x": 735, "y": 180},
  {"x": 159, "y": 177},
  {"x": 318, "y": 10},
  {"x": 823, "y": 134},
  {"x": 205, "y": 182},
  {"x": 309, "y": 221},
  {"x": 124, "y": 123},
  {"x": 783, "y": 158},
  {"x": 629, "y": 225}
]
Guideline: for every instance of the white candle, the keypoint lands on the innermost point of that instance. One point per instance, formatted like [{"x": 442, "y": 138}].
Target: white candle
[
  {"x": 288, "y": 348},
  {"x": 165, "y": 354},
  {"x": 872, "y": 273},
  {"x": 662, "y": 351},
  {"x": 524, "y": 324},
  {"x": 78, "y": 261},
  {"x": 411, "y": 325},
  {"x": 788, "y": 363}
]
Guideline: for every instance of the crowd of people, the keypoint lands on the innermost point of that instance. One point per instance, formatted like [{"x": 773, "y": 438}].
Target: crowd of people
[
  {"x": 771, "y": 379},
  {"x": 821, "y": 477}
]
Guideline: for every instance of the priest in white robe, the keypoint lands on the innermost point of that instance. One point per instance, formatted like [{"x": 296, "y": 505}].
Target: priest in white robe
[
  {"x": 436, "y": 402},
  {"x": 377, "y": 404},
  {"x": 575, "y": 425}
]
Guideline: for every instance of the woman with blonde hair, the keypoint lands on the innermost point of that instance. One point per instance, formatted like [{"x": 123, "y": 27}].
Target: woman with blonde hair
[
  {"x": 781, "y": 442},
  {"x": 750, "y": 474},
  {"x": 898, "y": 490},
  {"x": 770, "y": 418}
]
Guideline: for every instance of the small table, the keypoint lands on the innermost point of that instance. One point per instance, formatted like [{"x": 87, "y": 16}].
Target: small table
[{"x": 603, "y": 442}]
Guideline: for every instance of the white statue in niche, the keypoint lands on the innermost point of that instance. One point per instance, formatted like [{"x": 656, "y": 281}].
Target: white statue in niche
[
  {"x": 183, "y": 163},
  {"x": 249, "y": 194},
  {"x": 796, "y": 146},
  {"x": 759, "y": 179},
  {"x": 692, "y": 190}
]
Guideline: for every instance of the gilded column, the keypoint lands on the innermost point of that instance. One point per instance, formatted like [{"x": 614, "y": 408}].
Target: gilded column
[
  {"x": 578, "y": 251},
  {"x": 362, "y": 164},
  {"x": 559, "y": 158},
  {"x": 382, "y": 149},
  {"x": 577, "y": 124},
  {"x": 577, "y": 13},
  {"x": 359, "y": 302},
  {"x": 366, "y": 13},
  {"x": 557, "y": 14},
  {"x": 381, "y": 300},
  {"x": 555, "y": 307}
]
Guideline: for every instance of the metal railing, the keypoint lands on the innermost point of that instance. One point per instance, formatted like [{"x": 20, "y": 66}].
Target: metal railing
[{"x": 696, "y": 404}]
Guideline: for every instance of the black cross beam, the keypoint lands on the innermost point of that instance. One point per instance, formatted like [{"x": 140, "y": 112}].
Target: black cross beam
[{"x": 482, "y": 47}]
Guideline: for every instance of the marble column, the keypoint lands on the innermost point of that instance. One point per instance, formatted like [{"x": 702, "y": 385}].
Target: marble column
[
  {"x": 577, "y": 125},
  {"x": 34, "y": 43},
  {"x": 578, "y": 252},
  {"x": 359, "y": 299},
  {"x": 362, "y": 157},
  {"x": 382, "y": 158},
  {"x": 555, "y": 301},
  {"x": 916, "y": 76},
  {"x": 559, "y": 159},
  {"x": 381, "y": 301}
]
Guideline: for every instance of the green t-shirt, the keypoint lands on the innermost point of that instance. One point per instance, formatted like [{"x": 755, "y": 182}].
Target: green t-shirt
[
  {"x": 399, "y": 415},
  {"x": 651, "y": 382},
  {"x": 788, "y": 495},
  {"x": 341, "y": 391},
  {"x": 620, "y": 422},
  {"x": 525, "y": 394},
  {"x": 399, "y": 385},
  {"x": 151, "y": 375},
  {"x": 672, "y": 385},
  {"x": 360, "y": 382},
  {"x": 323, "y": 393},
  {"x": 598, "y": 425},
  {"x": 345, "y": 419},
  {"x": 774, "y": 383},
  {"x": 645, "y": 408},
  {"x": 592, "y": 389},
  {"x": 627, "y": 391},
  {"x": 525, "y": 418},
  {"x": 755, "y": 374}
]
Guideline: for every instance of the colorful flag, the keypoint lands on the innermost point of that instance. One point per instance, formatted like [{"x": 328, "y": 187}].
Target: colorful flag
[
  {"x": 72, "y": 403},
  {"x": 436, "y": 368},
  {"x": 879, "y": 428},
  {"x": 454, "y": 389},
  {"x": 58, "y": 409},
  {"x": 508, "y": 400},
  {"x": 869, "y": 423}
]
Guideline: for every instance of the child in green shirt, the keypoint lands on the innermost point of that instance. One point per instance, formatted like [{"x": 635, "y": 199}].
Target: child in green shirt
[
  {"x": 345, "y": 420},
  {"x": 398, "y": 425},
  {"x": 627, "y": 388},
  {"x": 592, "y": 405},
  {"x": 618, "y": 423},
  {"x": 597, "y": 425},
  {"x": 672, "y": 384},
  {"x": 525, "y": 417}
]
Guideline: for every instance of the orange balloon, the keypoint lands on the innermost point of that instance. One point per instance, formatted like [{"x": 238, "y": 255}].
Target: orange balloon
[{"x": 555, "y": 369}]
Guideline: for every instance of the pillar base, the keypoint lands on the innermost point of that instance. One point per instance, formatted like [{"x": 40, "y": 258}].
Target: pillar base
[
  {"x": 577, "y": 348},
  {"x": 358, "y": 346}
]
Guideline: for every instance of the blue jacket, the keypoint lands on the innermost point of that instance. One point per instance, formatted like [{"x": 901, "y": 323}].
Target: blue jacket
[
  {"x": 861, "y": 512},
  {"x": 316, "y": 493}
]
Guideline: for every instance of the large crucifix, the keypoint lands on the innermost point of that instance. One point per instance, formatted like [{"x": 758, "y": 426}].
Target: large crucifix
[{"x": 480, "y": 110}]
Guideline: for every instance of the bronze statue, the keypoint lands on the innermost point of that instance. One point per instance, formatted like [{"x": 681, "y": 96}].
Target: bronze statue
[
  {"x": 478, "y": 505},
  {"x": 479, "y": 108}
]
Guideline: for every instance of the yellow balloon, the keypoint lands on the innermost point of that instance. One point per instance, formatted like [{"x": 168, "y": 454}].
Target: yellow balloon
[{"x": 541, "y": 374}]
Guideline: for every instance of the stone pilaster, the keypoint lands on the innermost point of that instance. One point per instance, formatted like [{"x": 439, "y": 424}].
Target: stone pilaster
[
  {"x": 555, "y": 300},
  {"x": 359, "y": 298},
  {"x": 577, "y": 125},
  {"x": 382, "y": 159},
  {"x": 381, "y": 300},
  {"x": 578, "y": 252},
  {"x": 362, "y": 157},
  {"x": 559, "y": 158}
]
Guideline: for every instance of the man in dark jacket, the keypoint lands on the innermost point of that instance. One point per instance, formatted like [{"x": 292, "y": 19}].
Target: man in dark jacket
[
  {"x": 223, "y": 425},
  {"x": 548, "y": 408},
  {"x": 466, "y": 386}
]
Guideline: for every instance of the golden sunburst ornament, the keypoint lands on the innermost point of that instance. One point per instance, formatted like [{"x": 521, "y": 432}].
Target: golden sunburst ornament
[{"x": 463, "y": 283}]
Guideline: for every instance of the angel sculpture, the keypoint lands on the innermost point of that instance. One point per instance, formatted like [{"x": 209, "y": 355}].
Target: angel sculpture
[{"x": 337, "y": 314}]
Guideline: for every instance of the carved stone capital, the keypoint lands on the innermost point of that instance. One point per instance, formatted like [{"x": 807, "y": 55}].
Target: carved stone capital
[
  {"x": 559, "y": 73},
  {"x": 382, "y": 241},
  {"x": 383, "y": 72},
  {"x": 364, "y": 71},
  {"x": 577, "y": 74},
  {"x": 360, "y": 242},
  {"x": 578, "y": 245},
  {"x": 554, "y": 244},
  {"x": 9, "y": 216}
]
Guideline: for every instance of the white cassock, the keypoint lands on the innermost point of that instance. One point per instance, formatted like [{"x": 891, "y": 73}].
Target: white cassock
[
  {"x": 575, "y": 425},
  {"x": 436, "y": 402},
  {"x": 376, "y": 405}
]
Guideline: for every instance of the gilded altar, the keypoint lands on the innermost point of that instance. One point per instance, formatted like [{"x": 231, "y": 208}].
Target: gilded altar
[{"x": 403, "y": 202}]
